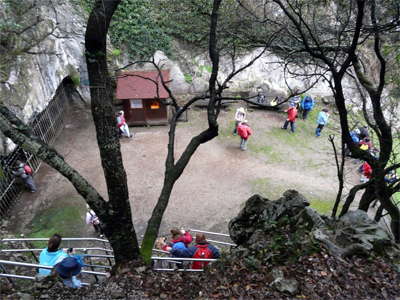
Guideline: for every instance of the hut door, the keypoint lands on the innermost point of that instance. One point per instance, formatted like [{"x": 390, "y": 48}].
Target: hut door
[{"x": 134, "y": 109}]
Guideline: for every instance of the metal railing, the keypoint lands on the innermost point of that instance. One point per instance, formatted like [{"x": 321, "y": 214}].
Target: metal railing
[
  {"x": 216, "y": 234},
  {"x": 173, "y": 263},
  {"x": 47, "y": 126},
  {"x": 37, "y": 266},
  {"x": 178, "y": 263}
]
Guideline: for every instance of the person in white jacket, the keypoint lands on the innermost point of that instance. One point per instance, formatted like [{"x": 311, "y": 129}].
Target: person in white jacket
[
  {"x": 240, "y": 116},
  {"x": 92, "y": 219},
  {"x": 122, "y": 125}
]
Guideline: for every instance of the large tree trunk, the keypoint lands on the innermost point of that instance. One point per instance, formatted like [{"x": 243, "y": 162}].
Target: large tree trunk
[{"x": 118, "y": 225}]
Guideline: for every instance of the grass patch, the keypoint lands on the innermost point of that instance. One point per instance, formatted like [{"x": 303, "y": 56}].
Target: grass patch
[
  {"x": 266, "y": 188},
  {"x": 322, "y": 206},
  {"x": 226, "y": 130},
  {"x": 297, "y": 139},
  {"x": 267, "y": 151},
  {"x": 64, "y": 216}
]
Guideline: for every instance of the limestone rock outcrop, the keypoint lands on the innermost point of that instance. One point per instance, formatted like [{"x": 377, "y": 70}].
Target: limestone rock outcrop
[{"x": 261, "y": 220}]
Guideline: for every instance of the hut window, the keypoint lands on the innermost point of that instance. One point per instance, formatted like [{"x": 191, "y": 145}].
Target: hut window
[
  {"x": 155, "y": 105},
  {"x": 136, "y": 103}
]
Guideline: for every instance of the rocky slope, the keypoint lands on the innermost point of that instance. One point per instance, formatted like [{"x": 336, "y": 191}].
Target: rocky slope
[{"x": 280, "y": 255}]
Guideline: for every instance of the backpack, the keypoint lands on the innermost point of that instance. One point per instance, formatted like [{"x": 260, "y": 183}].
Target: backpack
[
  {"x": 202, "y": 252},
  {"x": 28, "y": 170}
]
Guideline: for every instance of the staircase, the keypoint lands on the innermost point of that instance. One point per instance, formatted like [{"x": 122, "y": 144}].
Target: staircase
[{"x": 19, "y": 257}]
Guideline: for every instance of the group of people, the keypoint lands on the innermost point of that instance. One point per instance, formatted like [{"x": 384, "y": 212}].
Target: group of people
[
  {"x": 242, "y": 127},
  {"x": 179, "y": 246},
  {"x": 66, "y": 265},
  {"x": 305, "y": 104},
  {"x": 24, "y": 172},
  {"x": 361, "y": 139}
]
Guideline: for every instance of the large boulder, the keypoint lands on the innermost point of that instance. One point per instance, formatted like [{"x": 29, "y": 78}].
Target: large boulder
[
  {"x": 261, "y": 213},
  {"x": 289, "y": 226}
]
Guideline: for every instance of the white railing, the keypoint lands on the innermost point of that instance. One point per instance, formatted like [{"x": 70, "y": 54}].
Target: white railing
[
  {"x": 216, "y": 234},
  {"x": 46, "y": 239},
  {"x": 180, "y": 264},
  {"x": 36, "y": 266}
]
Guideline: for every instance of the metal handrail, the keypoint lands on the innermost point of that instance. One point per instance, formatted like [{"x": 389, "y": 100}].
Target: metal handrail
[
  {"x": 161, "y": 251},
  {"x": 184, "y": 259},
  {"x": 28, "y": 277},
  {"x": 64, "y": 249},
  {"x": 210, "y": 232},
  {"x": 17, "y": 276},
  {"x": 222, "y": 243},
  {"x": 179, "y": 270},
  {"x": 97, "y": 255},
  {"x": 46, "y": 239},
  {"x": 29, "y": 265}
]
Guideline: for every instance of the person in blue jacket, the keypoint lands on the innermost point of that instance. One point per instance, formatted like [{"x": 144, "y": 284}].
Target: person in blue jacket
[
  {"x": 68, "y": 269},
  {"x": 307, "y": 104},
  {"x": 52, "y": 255},
  {"x": 322, "y": 120}
]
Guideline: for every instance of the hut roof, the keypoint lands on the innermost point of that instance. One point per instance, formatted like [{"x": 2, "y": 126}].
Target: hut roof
[{"x": 141, "y": 85}]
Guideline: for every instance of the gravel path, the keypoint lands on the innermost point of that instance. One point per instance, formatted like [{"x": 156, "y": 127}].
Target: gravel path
[{"x": 215, "y": 184}]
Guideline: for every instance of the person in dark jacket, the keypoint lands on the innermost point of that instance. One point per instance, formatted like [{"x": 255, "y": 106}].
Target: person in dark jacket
[
  {"x": 202, "y": 249},
  {"x": 363, "y": 132},
  {"x": 19, "y": 171}
]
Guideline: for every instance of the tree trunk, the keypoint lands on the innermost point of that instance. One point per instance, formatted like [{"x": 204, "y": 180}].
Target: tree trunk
[
  {"x": 153, "y": 225},
  {"x": 367, "y": 198},
  {"x": 174, "y": 171},
  {"x": 118, "y": 226}
]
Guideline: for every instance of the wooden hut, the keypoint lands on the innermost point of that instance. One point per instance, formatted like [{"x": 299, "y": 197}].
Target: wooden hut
[{"x": 143, "y": 97}]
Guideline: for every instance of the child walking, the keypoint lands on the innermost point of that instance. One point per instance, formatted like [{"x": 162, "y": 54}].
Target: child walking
[
  {"x": 244, "y": 132},
  {"x": 291, "y": 117},
  {"x": 240, "y": 116},
  {"x": 322, "y": 120}
]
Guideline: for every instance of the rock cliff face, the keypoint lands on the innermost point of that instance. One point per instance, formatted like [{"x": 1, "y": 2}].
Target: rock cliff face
[
  {"x": 191, "y": 73},
  {"x": 34, "y": 78}
]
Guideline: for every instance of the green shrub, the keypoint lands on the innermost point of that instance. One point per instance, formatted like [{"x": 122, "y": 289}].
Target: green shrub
[{"x": 188, "y": 78}]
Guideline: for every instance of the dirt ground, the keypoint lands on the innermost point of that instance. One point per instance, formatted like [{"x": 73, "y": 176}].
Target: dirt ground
[{"x": 218, "y": 180}]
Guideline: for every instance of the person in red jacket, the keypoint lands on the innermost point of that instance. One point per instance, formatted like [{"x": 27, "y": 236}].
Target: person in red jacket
[
  {"x": 366, "y": 172},
  {"x": 244, "y": 132},
  {"x": 291, "y": 117},
  {"x": 180, "y": 238}
]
